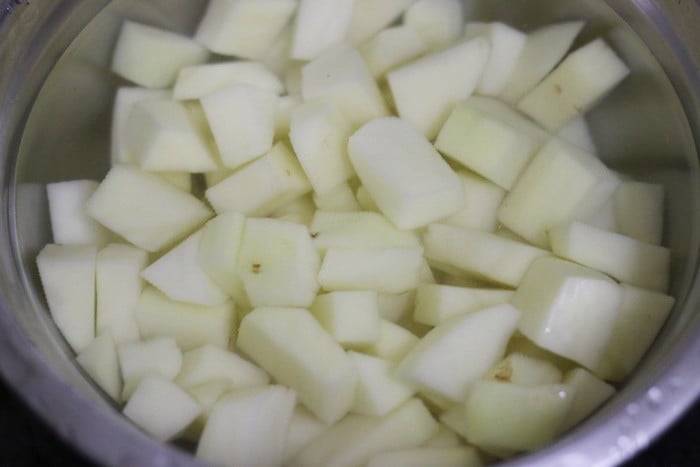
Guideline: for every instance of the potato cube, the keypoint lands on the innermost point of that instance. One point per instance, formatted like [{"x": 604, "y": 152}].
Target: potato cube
[
  {"x": 351, "y": 318},
  {"x": 70, "y": 223}
]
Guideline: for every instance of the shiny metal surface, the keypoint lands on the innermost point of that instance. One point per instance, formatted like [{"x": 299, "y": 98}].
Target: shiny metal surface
[{"x": 649, "y": 127}]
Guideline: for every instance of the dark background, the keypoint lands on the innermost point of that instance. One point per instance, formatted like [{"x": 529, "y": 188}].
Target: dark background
[{"x": 25, "y": 441}]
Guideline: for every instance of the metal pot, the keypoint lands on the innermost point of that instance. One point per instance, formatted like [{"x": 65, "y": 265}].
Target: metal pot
[{"x": 57, "y": 128}]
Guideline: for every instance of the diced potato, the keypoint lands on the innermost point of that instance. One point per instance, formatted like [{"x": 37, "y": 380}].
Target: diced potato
[
  {"x": 290, "y": 345},
  {"x": 243, "y": 28},
  {"x": 140, "y": 359},
  {"x": 300, "y": 210},
  {"x": 639, "y": 211},
  {"x": 130, "y": 202},
  {"x": 624, "y": 258},
  {"x": 259, "y": 414},
  {"x": 341, "y": 77},
  {"x": 99, "y": 360},
  {"x": 303, "y": 428},
  {"x": 283, "y": 117},
  {"x": 396, "y": 307},
  {"x": 444, "y": 438},
  {"x": 371, "y": 16},
  {"x": 261, "y": 187},
  {"x": 320, "y": 24},
  {"x": 439, "y": 22},
  {"x": 524, "y": 346},
  {"x": 118, "y": 285},
  {"x": 189, "y": 324},
  {"x": 70, "y": 223},
  {"x": 351, "y": 318},
  {"x": 641, "y": 317},
  {"x": 277, "y": 57},
  {"x": 210, "y": 363},
  {"x": 364, "y": 199},
  {"x": 438, "y": 303},
  {"x": 278, "y": 264},
  {"x": 544, "y": 49},
  {"x": 520, "y": 369},
  {"x": 394, "y": 342},
  {"x": 355, "y": 440},
  {"x": 385, "y": 270},
  {"x": 206, "y": 395},
  {"x": 589, "y": 394},
  {"x": 479, "y": 138},
  {"x": 339, "y": 199},
  {"x": 67, "y": 274},
  {"x": 425, "y": 90},
  {"x": 319, "y": 134},
  {"x": 444, "y": 457},
  {"x": 404, "y": 174},
  {"x": 391, "y": 48},
  {"x": 542, "y": 198},
  {"x": 160, "y": 408},
  {"x": 481, "y": 201},
  {"x": 507, "y": 44},
  {"x": 577, "y": 84},
  {"x": 482, "y": 255},
  {"x": 179, "y": 275},
  {"x": 568, "y": 309},
  {"x": 456, "y": 353},
  {"x": 510, "y": 416},
  {"x": 242, "y": 120},
  {"x": 579, "y": 134},
  {"x": 151, "y": 57},
  {"x": 195, "y": 82},
  {"x": 379, "y": 390}
]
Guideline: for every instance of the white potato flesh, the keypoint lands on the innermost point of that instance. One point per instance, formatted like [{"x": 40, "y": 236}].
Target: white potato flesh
[
  {"x": 242, "y": 120},
  {"x": 639, "y": 211},
  {"x": 303, "y": 428},
  {"x": 70, "y": 223},
  {"x": 357, "y": 230},
  {"x": 218, "y": 253},
  {"x": 495, "y": 148},
  {"x": 579, "y": 134},
  {"x": 124, "y": 101},
  {"x": 369, "y": 17},
  {"x": 481, "y": 201},
  {"x": 426, "y": 89},
  {"x": 209, "y": 363},
  {"x": 453, "y": 418},
  {"x": 276, "y": 58},
  {"x": 139, "y": 359},
  {"x": 161, "y": 137},
  {"x": 350, "y": 317},
  {"x": 67, "y": 274},
  {"x": 624, "y": 258},
  {"x": 179, "y": 275},
  {"x": 522, "y": 345},
  {"x": 161, "y": 408},
  {"x": 195, "y": 82},
  {"x": 320, "y": 25},
  {"x": 439, "y": 22},
  {"x": 364, "y": 199},
  {"x": 283, "y": 117},
  {"x": 300, "y": 210},
  {"x": 394, "y": 342},
  {"x": 437, "y": 303},
  {"x": 292, "y": 347},
  {"x": 319, "y": 135},
  {"x": 379, "y": 390},
  {"x": 513, "y": 417},
  {"x": 444, "y": 438},
  {"x": 206, "y": 395},
  {"x": 391, "y": 48},
  {"x": 278, "y": 263},
  {"x": 118, "y": 285},
  {"x": 642, "y": 314},
  {"x": 520, "y": 369},
  {"x": 130, "y": 202},
  {"x": 542, "y": 198},
  {"x": 404, "y": 174},
  {"x": 458, "y": 352},
  {"x": 355, "y": 440},
  {"x": 568, "y": 309},
  {"x": 293, "y": 79},
  {"x": 190, "y": 325},
  {"x": 482, "y": 255},
  {"x": 385, "y": 270},
  {"x": 243, "y": 28},
  {"x": 590, "y": 393},
  {"x": 396, "y": 307},
  {"x": 248, "y": 427},
  {"x": 151, "y": 57},
  {"x": 261, "y": 187},
  {"x": 342, "y": 77},
  {"x": 100, "y": 361},
  {"x": 339, "y": 199},
  {"x": 507, "y": 45},
  {"x": 444, "y": 457},
  {"x": 544, "y": 49},
  {"x": 574, "y": 86}
]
